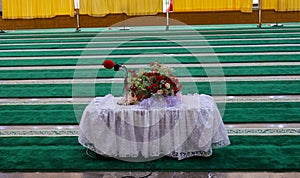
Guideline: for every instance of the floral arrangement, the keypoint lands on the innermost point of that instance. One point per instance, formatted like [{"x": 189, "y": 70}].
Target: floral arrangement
[{"x": 160, "y": 80}]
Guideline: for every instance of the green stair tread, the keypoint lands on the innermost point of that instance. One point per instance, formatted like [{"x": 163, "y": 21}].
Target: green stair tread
[
  {"x": 52, "y": 44},
  {"x": 101, "y": 89},
  {"x": 65, "y": 154},
  {"x": 49, "y": 114},
  {"x": 262, "y": 112},
  {"x": 145, "y": 60},
  {"x": 117, "y": 51},
  {"x": 255, "y": 153},
  {"x": 45, "y": 114},
  {"x": 179, "y": 72}
]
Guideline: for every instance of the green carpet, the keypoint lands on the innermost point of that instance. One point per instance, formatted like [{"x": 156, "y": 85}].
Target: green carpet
[
  {"x": 161, "y": 43},
  {"x": 184, "y": 60},
  {"x": 119, "y": 51},
  {"x": 179, "y": 72},
  {"x": 51, "y": 114},
  {"x": 265, "y": 112},
  {"x": 40, "y": 114},
  {"x": 59, "y": 44},
  {"x": 134, "y": 32},
  {"x": 101, "y": 89},
  {"x": 64, "y": 154}
]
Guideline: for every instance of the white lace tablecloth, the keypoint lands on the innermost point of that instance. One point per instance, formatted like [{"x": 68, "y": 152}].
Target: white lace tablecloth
[{"x": 191, "y": 128}]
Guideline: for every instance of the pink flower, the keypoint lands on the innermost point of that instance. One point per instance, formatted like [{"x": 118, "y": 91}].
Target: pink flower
[{"x": 160, "y": 92}]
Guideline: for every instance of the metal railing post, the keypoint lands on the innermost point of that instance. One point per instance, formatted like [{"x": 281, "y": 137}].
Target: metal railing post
[
  {"x": 76, "y": 7},
  {"x": 259, "y": 14}
]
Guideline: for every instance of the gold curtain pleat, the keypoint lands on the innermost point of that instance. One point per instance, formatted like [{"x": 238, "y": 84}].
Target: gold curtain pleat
[
  {"x": 281, "y": 5},
  {"x": 212, "y": 5},
  {"x": 142, "y": 7},
  {"x": 269, "y": 4},
  {"x": 63, "y": 7},
  {"x": 29, "y": 9},
  {"x": 129, "y": 7},
  {"x": 94, "y": 7},
  {"x": 115, "y": 6}
]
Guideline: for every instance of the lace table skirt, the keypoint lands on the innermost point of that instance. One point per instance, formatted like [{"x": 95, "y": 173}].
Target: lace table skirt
[{"x": 191, "y": 128}]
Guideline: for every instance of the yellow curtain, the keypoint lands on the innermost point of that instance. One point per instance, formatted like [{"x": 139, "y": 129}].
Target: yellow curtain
[
  {"x": 212, "y": 5},
  {"x": 142, "y": 7},
  {"x": 281, "y": 5},
  {"x": 14, "y": 9},
  {"x": 129, "y": 7},
  {"x": 63, "y": 7},
  {"x": 115, "y": 6},
  {"x": 28, "y": 9},
  {"x": 94, "y": 7},
  {"x": 269, "y": 4}
]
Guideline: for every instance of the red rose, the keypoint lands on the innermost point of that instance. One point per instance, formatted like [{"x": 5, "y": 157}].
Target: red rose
[
  {"x": 139, "y": 97},
  {"x": 159, "y": 77},
  {"x": 153, "y": 88}
]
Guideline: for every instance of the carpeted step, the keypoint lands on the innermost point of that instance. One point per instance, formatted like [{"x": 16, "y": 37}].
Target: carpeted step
[
  {"x": 225, "y": 45},
  {"x": 119, "y": 51},
  {"x": 71, "y": 61},
  {"x": 158, "y": 43},
  {"x": 101, "y": 89},
  {"x": 52, "y": 154},
  {"x": 264, "y": 112},
  {"x": 179, "y": 72},
  {"x": 61, "y": 114},
  {"x": 45, "y": 114},
  {"x": 158, "y": 33}
]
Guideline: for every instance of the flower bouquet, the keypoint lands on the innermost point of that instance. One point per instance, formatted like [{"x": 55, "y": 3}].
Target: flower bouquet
[{"x": 159, "y": 81}]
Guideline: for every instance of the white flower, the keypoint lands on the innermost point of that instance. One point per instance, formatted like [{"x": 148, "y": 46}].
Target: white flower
[{"x": 167, "y": 85}]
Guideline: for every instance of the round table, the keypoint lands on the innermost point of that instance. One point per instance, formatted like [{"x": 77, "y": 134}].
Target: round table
[{"x": 191, "y": 127}]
